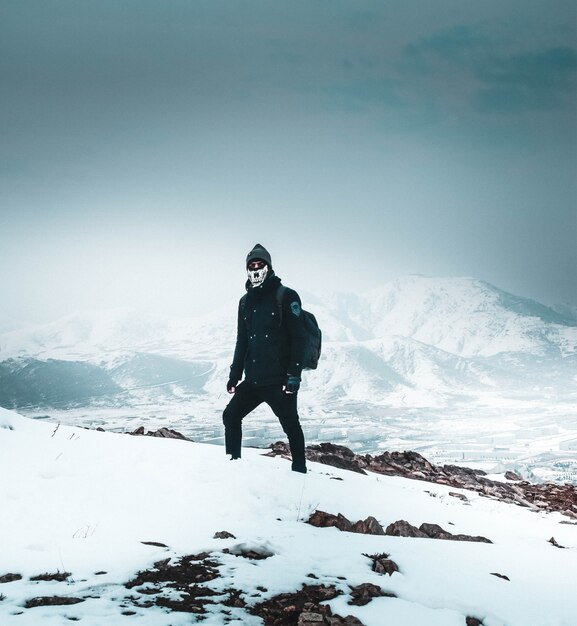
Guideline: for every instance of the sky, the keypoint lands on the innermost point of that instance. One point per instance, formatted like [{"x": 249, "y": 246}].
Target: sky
[{"x": 147, "y": 145}]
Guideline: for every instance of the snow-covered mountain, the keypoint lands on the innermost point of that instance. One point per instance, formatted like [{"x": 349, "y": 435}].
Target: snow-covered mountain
[
  {"x": 102, "y": 528},
  {"x": 462, "y": 316},
  {"x": 436, "y": 335}
]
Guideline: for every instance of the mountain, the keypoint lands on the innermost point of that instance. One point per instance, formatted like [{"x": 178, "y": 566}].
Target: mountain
[
  {"x": 462, "y": 316},
  {"x": 109, "y": 528},
  {"x": 432, "y": 337},
  {"x": 451, "y": 365}
]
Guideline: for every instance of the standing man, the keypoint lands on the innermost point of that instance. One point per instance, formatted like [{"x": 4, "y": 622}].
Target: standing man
[{"x": 269, "y": 349}]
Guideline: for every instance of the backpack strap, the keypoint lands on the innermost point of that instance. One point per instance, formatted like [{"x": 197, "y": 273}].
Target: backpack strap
[{"x": 279, "y": 298}]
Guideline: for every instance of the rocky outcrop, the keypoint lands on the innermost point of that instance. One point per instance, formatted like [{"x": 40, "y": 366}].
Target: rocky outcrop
[
  {"x": 538, "y": 497},
  {"x": 51, "y": 601},
  {"x": 382, "y": 564},
  {"x": 9, "y": 578},
  {"x": 303, "y": 608},
  {"x": 402, "y": 528},
  {"x": 369, "y": 526},
  {"x": 223, "y": 534},
  {"x": 363, "y": 594},
  {"x": 166, "y": 433}
]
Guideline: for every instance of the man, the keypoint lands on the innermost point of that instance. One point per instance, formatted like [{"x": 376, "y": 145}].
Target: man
[{"x": 270, "y": 352}]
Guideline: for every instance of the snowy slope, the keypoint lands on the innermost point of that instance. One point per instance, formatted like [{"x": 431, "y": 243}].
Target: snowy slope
[
  {"x": 463, "y": 316},
  {"x": 84, "y": 501}
]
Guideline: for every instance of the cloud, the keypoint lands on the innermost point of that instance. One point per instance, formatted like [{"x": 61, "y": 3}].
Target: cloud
[
  {"x": 535, "y": 80},
  {"x": 493, "y": 71}
]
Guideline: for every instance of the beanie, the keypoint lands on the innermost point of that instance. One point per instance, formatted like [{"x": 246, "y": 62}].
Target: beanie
[{"x": 261, "y": 253}]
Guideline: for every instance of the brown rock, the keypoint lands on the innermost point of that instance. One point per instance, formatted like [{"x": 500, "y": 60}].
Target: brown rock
[
  {"x": 409, "y": 464},
  {"x": 9, "y": 578},
  {"x": 363, "y": 594},
  {"x": 334, "y": 455},
  {"x": 166, "y": 433},
  {"x": 473, "y": 621},
  {"x": 311, "y": 619},
  {"x": 512, "y": 476},
  {"x": 461, "y": 496},
  {"x": 321, "y": 519},
  {"x": 382, "y": 564},
  {"x": 434, "y": 531},
  {"x": 223, "y": 534},
  {"x": 402, "y": 528},
  {"x": 370, "y": 526},
  {"x": 56, "y": 576},
  {"x": 51, "y": 601}
]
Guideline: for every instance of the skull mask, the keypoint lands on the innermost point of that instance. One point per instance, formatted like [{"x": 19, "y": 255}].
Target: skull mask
[{"x": 257, "y": 273}]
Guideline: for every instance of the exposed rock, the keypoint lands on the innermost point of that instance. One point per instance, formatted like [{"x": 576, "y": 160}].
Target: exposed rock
[
  {"x": 279, "y": 448},
  {"x": 363, "y": 594},
  {"x": 308, "y": 618},
  {"x": 382, "y": 564},
  {"x": 369, "y": 526},
  {"x": 500, "y": 576},
  {"x": 8, "y": 578},
  {"x": 335, "y": 455},
  {"x": 553, "y": 542},
  {"x": 185, "y": 576},
  {"x": 302, "y": 608},
  {"x": 473, "y": 621},
  {"x": 409, "y": 464},
  {"x": 234, "y": 599},
  {"x": 156, "y": 544},
  {"x": 434, "y": 531},
  {"x": 255, "y": 554},
  {"x": 223, "y": 534},
  {"x": 512, "y": 476},
  {"x": 166, "y": 433},
  {"x": 51, "y": 601},
  {"x": 461, "y": 496},
  {"x": 402, "y": 528},
  {"x": 57, "y": 576}
]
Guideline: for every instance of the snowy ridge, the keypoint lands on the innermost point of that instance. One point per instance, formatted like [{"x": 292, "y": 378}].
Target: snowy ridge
[
  {"x": 95, "y": 517},
  {"x": 462, "y": 316}
]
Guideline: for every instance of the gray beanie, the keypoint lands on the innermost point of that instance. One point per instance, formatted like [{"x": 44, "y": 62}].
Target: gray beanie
[{"x": 259, "y": 252}]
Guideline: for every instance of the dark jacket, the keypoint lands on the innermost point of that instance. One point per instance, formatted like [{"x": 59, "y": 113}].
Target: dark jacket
[{"x": 265, "y": 350}]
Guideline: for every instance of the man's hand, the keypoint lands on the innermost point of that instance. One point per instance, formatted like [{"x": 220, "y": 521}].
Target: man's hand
[
  {"x": 231, "y": 385},
  {"x": 292, "y": 384}
]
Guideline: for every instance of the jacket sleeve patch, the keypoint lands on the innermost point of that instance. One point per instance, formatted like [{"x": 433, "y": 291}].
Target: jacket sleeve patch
[{"x": 296, "y": 308}]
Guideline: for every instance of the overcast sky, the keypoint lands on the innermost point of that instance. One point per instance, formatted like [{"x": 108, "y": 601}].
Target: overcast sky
[{"x": 147, "y": 145}]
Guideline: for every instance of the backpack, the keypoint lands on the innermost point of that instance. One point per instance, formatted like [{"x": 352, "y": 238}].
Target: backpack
[{"x": 313, "y": 341}]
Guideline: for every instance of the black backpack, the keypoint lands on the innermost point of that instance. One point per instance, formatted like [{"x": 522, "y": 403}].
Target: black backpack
[{"x": 313, "y": 334}]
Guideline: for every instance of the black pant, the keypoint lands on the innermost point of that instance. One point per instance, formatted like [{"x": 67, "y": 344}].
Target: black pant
[{"x": 284, "y": 406}]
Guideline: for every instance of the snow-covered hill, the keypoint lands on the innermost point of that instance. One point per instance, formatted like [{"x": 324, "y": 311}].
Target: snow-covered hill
[
  {"x": 85, "y": 511},
  {"x": 462, "y": 316},
  {"x": 426, "y": 337}
]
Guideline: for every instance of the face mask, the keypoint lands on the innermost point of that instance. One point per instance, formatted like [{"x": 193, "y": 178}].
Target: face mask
[{"x": 257, "y": 277}]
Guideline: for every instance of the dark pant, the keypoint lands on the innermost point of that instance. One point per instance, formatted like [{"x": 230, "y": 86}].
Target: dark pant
[{"x": 284, "y": 406}]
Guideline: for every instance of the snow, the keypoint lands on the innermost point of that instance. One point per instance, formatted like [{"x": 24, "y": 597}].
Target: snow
[{"x": 82, "y": 501}]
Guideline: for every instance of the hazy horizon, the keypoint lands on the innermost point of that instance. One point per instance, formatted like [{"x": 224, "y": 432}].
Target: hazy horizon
[{"x": 148, "y": 146}]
